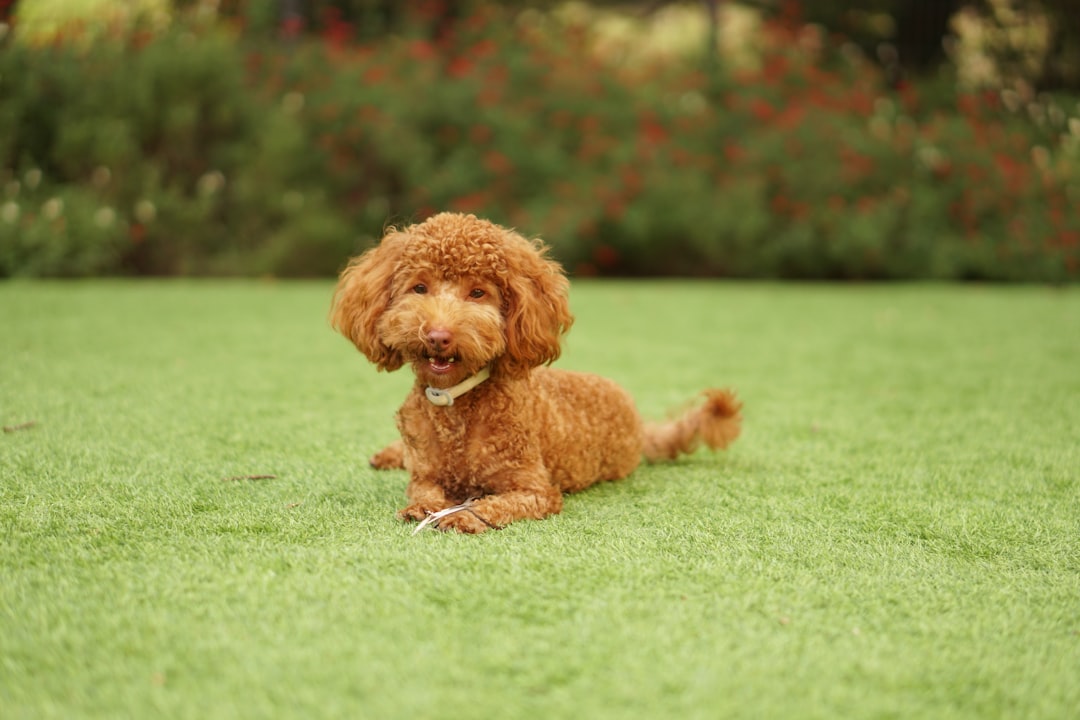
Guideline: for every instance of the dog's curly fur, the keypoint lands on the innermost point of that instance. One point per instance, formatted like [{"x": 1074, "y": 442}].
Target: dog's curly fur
[{"x": 455, "y": 294}]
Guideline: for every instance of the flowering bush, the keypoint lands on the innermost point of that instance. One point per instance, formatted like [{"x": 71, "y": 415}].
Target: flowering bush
[
  {"x": 223, "y": 156},
  {"x": 70, "y": 233}
]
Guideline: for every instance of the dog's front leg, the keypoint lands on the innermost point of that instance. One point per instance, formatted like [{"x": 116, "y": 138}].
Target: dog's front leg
[
  {"x": 424, "y": 497},
  {"x": 496, "y": 511},
  {"x": 391, "y": 457}
]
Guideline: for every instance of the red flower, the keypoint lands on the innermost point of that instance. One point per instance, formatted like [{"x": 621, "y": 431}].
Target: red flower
[
  {"x": 652, "y": 131},
  {"x": 589, "y": 124},
  {"x": 791, "y": 13},
  {"x": 606, "y": 256},
  {"x": 480, "y": 134},
  {"x": 967, "y": 104},
  {"x": 909, "y": 97},
  {"x": 1014, "y": 172},
  {"x": 459, "y": 67},
  {"x": 422, "y": 50},
  {"x": 483, "y": 48},
  {"x": 585, "y": 269},
  {"x": 761, "y": 110},
  {"x": 560, "y": 119},
  {"x": 430, "y": 9},
  {"x": 472, "y": 202},
  {"x": 791, "y": 116},
  {"x": 614, "y": 208},
  {"x": 775, "y": 69},
  {"x": 337, "y": 32},
  {"x": 449, "y": 134},
  {"x": 292, "y": 26},
  {"x": 375, "y": 75},
  {"x": 631, "y": 179},
  {"x": 497, "y": 163},
  {"x": 855, "y": 165}
]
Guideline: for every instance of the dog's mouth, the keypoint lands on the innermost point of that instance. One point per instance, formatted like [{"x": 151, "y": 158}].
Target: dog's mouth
[{"x": 441, "y": 364}]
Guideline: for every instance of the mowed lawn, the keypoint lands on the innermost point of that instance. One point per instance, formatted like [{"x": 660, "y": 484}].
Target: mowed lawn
[{"x": 896, "y": 534}]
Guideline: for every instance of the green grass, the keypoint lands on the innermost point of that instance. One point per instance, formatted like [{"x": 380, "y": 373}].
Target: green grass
[{"x": 897, "y": 534}]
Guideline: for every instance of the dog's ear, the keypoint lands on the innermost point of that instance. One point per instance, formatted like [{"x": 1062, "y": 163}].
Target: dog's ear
[
  {"x": 363, "y": 295},
  {"x": 536, "y": 306}
]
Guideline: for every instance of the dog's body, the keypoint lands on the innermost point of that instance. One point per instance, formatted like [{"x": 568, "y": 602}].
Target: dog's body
[{"x": 476, "y": 310}]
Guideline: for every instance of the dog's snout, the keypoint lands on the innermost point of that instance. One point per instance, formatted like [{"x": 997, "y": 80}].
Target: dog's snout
[{"x": 439, "y": 338}]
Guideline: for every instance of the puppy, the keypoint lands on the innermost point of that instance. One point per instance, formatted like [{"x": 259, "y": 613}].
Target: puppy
[{"x": 489, "y": 433}]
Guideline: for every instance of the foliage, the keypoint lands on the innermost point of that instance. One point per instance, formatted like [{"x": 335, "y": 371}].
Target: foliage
[
  {"x": 1036, "y": 42},
  {"x": 46, "y": 20},
  {"x": 227, "y": 154}
]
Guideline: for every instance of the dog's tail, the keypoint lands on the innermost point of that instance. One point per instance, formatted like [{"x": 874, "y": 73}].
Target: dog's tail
[{"x": 717, "y": 422}]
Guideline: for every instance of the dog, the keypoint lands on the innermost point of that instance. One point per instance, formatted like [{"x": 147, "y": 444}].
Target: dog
[{"x": 489, "y": 433}]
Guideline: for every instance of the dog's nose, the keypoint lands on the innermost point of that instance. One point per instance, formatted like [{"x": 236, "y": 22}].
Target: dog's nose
[{"x": 439, "y": 338}]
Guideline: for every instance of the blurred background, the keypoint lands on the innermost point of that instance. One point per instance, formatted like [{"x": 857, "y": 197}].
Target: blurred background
[{"x": 831, "y": 139}]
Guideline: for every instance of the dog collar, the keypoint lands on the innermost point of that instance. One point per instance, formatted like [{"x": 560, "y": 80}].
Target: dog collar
[{"x": 445, "y": 397}]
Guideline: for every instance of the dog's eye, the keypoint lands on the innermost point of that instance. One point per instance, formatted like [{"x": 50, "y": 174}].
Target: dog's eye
[
  {"x": 420, "y": 289},
  {"x": 477, "y": 293}
]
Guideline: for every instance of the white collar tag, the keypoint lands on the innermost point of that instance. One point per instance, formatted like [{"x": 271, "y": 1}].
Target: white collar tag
[{"x": 445, "y": 397}]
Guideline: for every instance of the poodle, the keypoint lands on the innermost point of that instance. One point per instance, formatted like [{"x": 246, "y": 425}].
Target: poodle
[{"x": 489, "y": 433}]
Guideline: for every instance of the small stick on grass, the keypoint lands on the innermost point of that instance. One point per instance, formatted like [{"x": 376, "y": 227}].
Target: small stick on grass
[
  {"x": 234, "y": 478},
  {"x": 20, "y": 426},
  {"x": 435, "y": 517}
]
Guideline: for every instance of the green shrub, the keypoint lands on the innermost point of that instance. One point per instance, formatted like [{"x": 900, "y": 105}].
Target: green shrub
[
  {"x": 72, "y": 233},
  {"x": 226, "y": 155}
]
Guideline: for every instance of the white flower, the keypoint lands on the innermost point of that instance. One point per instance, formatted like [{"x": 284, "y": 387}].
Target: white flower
[
  {"x": 1037, "y": 113},
  {"x": 932, "y": 157},
  {"x": 104, "y": 217},
  {"x": 101, "y": 176},
  {"x": 33, "y": 178},
  {"x": 1057, "y": 115},
  {"x": 880, "y": 128},
  {"x": 52, "y": 208},
  {"x": 692, "y": 102},
  {"x": 211, "y": 183},
  {"x": 145, "y": 212},
  {"x": 9, "y": 211},
  {"x": 1011, "y": 99},
  {"x": 1041, "y": 157}
]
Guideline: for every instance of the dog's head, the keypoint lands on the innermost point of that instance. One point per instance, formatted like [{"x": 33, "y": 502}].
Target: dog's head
[{"x": 452, "y": 295}]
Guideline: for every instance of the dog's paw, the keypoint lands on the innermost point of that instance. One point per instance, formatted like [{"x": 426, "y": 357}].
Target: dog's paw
[
  {"x": 455, "y": 518},
  {"x": 391, "y": 457},
  {"x": 464, "y": 522},
  {"x": 415, "y": 512}
]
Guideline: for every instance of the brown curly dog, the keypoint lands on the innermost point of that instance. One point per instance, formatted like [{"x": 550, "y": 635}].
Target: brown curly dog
[{"x": 476, "y": 310}]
